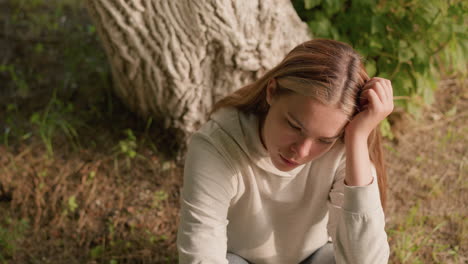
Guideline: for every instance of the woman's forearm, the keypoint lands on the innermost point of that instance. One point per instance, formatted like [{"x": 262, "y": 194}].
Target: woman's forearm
[
  {"x": 376, "y": 103},
  {"x": 358, "y": 164}
]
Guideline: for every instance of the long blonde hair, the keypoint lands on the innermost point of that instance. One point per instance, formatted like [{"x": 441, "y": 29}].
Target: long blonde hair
[{"x": 330, "y": 72}]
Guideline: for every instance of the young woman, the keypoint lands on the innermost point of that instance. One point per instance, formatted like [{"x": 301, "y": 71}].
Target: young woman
[{"x": 288, "y": 169}]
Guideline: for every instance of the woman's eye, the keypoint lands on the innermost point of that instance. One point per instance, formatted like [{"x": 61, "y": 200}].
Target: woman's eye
[
  {"x": 293, "y": 126},
  {"x": 325, "y": 141}
]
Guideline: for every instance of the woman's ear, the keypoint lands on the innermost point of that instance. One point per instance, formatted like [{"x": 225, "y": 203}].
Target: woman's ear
[{"x": 270, "y": 91}]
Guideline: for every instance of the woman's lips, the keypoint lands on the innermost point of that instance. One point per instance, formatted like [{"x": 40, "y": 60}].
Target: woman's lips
[{"x": 289, "y": 162}]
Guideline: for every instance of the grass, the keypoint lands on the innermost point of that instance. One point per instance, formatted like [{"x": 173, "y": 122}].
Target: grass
[
  {"x": 427, "y": 215},
  {"x": 12, "y": 232},
  {"x": 92, "y": 180},
  {"x": 82, "y": 180}
]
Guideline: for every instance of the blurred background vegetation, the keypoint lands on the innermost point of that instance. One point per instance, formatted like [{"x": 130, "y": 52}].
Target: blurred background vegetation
[
  {"x": 406, "y": 41},
  {"x": 51, "y": 64},
  {"x": 83, "y": 180}
]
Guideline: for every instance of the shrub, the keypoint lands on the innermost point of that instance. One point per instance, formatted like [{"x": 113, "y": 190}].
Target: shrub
[{"x": 406, "y": 41}]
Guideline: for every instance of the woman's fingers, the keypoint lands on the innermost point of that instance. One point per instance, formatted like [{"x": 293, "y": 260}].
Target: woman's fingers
[
  {"x": 374, "y": 100},
  {"x": 387, "y": 85},
  {"x": 378, "y": 95},
  {"x": 382, "y": 87},
  {"x": 379, "y": 89},
  {"x": 375, "y": 103},
  {"x": 389, "y": 89}
]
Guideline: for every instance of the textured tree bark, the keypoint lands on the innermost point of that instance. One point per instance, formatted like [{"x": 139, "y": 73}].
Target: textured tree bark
[{"x": 172, "y": 59}]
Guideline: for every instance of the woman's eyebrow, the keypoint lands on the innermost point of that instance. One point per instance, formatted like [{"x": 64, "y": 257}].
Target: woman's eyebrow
[{"x": 305, "y": 130}]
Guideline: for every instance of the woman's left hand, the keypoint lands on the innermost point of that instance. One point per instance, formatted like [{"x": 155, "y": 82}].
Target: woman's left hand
[{"x": 376, "y": 103}]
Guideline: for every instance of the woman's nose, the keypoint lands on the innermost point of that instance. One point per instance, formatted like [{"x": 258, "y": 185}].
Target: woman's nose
[{"x": 303, "y": 148}]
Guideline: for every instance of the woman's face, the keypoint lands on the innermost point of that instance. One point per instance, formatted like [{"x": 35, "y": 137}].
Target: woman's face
[{"x": 298, "y": 129}]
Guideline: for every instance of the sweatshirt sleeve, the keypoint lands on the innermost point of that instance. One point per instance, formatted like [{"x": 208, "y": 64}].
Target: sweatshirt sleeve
[
  {"x": 207, "y": 190},
  {"x": 357, "y": 222}
]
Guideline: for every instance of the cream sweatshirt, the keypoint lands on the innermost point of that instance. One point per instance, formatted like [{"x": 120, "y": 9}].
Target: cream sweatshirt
[{"x": 234, "y": 199}]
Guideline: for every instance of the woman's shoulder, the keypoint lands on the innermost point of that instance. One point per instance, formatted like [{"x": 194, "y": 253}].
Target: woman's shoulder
[
  {"x": 221, "y": 132},
  {"x": 224, "y": 118}
]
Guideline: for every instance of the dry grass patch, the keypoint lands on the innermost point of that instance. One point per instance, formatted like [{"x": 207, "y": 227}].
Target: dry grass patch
[
  {"x": 86, "y": 206},
  {"x": 428, "y": 164}
]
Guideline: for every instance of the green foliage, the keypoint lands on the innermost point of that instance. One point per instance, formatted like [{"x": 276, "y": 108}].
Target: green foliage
[
  {"x": 406, "y": 41},
  {"x": 56, "y": 116},
  {"x": 53, "y": 63},
  {"x": 126, "y": 148},
  {"x": 72, "y": 204},
  {"x": 16, "y": 77},
  {"x": 97, "y": 251},
  {"x": 158, "y": 197},
  {"x": 11, "y": 233},
  {"x": 54, "y": 46},
  {"x": 128, "y": 145},
  {"x": 386, "y": 130},
  {"x": 410, "y": 237}
]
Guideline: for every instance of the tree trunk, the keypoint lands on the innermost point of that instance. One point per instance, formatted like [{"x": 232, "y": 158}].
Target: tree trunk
[{"x": 172, "y": 59}]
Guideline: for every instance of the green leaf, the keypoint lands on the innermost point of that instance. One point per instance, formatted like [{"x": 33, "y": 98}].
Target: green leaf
[
  {"x": 419, "y": 50},
  {"x": 371, "y": 67},
  {"x": 72, "y": 205},
  {"x": 91, "y": 29},
  {"x": 11, "y": 107},
  {"x": 452, "y": 111},
  {"x": 375, "y": 46},
  {"x": 377, "y": 25},
  {"x": 332, "y": 7},
  {"x": 320, "y": 25},
  {"x": 309, "y": 4},
  {"x": 39, "y": 48},
  {"x": 405, "y": 53},
  {"x": 386, "y": 130},
  {"x": 97, "y": 251},
  {"x": 35, "y": 118}
]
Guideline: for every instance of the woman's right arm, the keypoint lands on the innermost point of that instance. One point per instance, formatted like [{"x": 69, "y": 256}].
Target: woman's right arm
[{"x": 207, "y": 191}]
